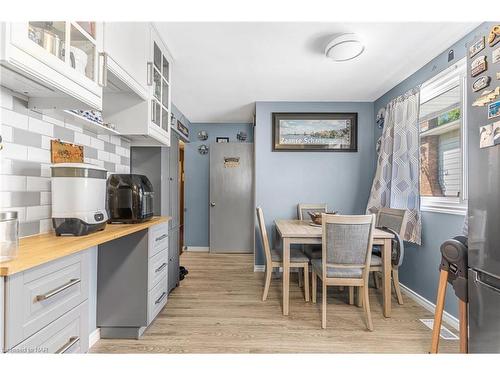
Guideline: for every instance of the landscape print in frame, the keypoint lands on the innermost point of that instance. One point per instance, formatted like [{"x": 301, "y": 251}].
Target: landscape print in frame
[{"x": 315, "y": 132}]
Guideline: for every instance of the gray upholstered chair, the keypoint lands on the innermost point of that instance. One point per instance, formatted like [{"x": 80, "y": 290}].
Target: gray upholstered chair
[
  {"x": 395, "y": 220},
  {"x": 346, "y": 255},
  {"x": 312, "y": 251},
  {"x": 274, "y": 258}
]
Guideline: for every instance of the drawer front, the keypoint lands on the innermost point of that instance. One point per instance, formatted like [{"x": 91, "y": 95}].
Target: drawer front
[
  {"x": 68, "y": 334},
  {"x": 158, "y": 268},
  {"x": 157, "y": 298},
  {"x": 158, "y": 238},
  {"x": 37, "y": 297}
]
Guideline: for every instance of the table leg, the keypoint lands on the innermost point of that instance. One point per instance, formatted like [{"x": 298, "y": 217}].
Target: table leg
[
  {"x": 386, "y": 277},
  {"x": 286, "y": 275}
]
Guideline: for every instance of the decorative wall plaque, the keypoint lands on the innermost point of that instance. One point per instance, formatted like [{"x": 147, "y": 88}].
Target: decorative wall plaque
[{"x": 62, "y": 152}]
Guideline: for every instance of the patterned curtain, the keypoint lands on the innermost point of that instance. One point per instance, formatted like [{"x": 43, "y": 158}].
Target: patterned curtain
[{"x": 396, "y": 182}]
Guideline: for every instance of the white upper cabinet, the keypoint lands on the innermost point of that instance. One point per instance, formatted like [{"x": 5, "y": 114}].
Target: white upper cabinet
[
  {"x": 126, "y": 45},
  {"x": 56, "y": 64},
  {"x": 147, "y": 122}
]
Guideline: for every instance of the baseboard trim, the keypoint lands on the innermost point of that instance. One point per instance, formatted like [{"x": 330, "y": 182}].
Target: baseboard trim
[
  {"x": 94, "y": 337},
  {"x": 259, "y": 268},
  {"x": 197, "y": 249},
  {"x": 429, "y": 306}
]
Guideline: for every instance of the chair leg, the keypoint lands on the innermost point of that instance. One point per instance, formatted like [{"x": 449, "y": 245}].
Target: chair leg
[
  {"x": 306, "y": 281},
  {"x": 314, "y": 286},
  {"x": 300, "y": 277},
  {"x": 269, "y": 272},
  {"x": 375, "y": 280},
  {"x": 351, "y": 295},
  {"x": 323, "y": 307},
  {"x": 359, "y": 296},
  {"x": 366, "y": 306},
  {"x": 395, "y": 281}
]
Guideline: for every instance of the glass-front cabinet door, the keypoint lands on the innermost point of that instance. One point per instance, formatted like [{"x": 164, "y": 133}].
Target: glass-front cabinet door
[
  {"x": 160, "y": 81},
  {"x": 66, "y": 46}
]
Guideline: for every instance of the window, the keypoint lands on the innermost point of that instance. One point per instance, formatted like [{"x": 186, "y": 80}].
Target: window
[{"x": 443, "y": 173}]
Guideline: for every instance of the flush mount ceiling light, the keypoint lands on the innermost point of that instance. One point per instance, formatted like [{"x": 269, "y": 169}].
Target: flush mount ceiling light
[{"x": 344, "y": 47}]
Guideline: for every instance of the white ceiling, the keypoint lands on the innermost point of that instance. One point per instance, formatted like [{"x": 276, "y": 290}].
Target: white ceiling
[{"x": 221, "y": 69}]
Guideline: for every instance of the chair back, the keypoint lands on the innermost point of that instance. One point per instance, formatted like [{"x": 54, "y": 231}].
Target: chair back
[
  {"x": 347, "y": 241},
  {"x": 392, "y": 218},
  {"x": 263, "y": 236},
  {"x": 304, "y": 208}
]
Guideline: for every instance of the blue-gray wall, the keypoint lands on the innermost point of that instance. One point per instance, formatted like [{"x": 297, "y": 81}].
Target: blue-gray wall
[
  {"x": 197, "y": 179},
  {"x": 419, "y": 271},
  {"x": 283, "y": 179}
]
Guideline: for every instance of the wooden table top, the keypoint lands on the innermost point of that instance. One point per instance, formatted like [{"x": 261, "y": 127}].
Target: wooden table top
[
  {"x": 43, "y": 248},
  {"x": 302, "y": 228}
]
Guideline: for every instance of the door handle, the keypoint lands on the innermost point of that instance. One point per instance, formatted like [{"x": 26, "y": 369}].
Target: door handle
[{"x": 212, "y": 204}]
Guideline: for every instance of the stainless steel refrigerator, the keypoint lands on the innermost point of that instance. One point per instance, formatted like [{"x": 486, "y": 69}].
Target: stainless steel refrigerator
[{"x": 484, "y": 199}]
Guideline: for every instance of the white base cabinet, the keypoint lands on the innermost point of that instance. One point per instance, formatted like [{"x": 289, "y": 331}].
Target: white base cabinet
[
  {"x": 57, "y": 65},
  {"x": 46, "y": 307}
]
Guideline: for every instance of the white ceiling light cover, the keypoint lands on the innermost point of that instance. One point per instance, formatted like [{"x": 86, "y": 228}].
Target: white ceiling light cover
[{"x": 344, "y": 47}]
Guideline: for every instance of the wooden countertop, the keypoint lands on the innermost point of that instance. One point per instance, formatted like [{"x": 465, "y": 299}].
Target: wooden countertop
[{"x": 43, "y": 248}]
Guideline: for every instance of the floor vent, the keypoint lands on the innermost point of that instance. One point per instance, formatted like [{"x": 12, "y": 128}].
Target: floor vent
[{"x": 445, "y": 333}]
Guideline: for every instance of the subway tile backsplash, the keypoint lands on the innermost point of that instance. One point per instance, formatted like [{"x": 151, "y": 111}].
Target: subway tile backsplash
[{"x": 25, "y": 159}]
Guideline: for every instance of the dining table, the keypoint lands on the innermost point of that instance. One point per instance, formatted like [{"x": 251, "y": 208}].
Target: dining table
[{"x": 302, "y": 232}]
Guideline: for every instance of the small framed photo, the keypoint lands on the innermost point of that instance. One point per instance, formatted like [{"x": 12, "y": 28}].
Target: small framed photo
[
  {"x": 495, "y": 55},
  {"x": 476, "y": 47},
  {"x": 222, "y": 139},
  {"x": 494, "y": 109}
]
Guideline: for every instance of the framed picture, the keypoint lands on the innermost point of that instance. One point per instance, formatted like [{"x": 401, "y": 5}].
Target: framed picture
[
  {"x": 222, "y": 139},
  {"x": 494, "y": 109},
  {"x": 315, "y": 132}
]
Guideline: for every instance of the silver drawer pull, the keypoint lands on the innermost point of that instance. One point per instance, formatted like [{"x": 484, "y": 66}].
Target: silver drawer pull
[
  {"x": 162, "y": 237},
  {"x": 163, "y": 295},
  {"x": 72, "y": 341},
  {"x": 160, "y": 268},
  {"x": 53, "y": 292}
]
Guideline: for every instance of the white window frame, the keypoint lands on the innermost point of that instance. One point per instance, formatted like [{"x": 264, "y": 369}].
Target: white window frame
[{"x": 435, "y": 86}]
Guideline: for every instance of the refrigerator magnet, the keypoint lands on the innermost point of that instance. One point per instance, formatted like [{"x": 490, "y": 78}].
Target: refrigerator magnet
[
  {"x": 494, "y": 109},
  {"x": 486, "y": 136},
  {"x": 478, "y": 65},
  {"x": 494, "y": 36},
  {"x": 477, "y": 46},
  {"x": 495, "y": 55}
]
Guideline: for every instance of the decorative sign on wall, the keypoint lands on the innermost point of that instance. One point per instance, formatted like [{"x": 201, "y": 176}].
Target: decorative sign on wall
[
  {"x": 315, "y": 131},
  {"x": 62, "y": 152},
  {"x": 183, "y": 129},
  {"x": 231, "y": 162},
  {"x": 241, "y": 136},
  {"x": 222, "y": 139}
]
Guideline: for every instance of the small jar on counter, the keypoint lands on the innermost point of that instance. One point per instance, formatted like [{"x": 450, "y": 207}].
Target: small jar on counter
[{"x": 9, "y": 235}]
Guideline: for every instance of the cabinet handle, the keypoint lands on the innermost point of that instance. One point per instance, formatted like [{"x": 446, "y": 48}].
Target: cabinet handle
[
  {"x": 163, "y": 236},
  {"x": 53, "y": 292},
  {"x": 150, "y": 73},
  {"x": 161, "y": 298},
  {"x": 72, "y": 341},
  {"x": 153, "y": 112},
  {"x": 160, "y": 268},
  {"x": 103, "y": 71}
]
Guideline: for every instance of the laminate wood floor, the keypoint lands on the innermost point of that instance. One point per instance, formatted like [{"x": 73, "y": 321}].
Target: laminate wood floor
[{"x": 218, "y": 309}]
